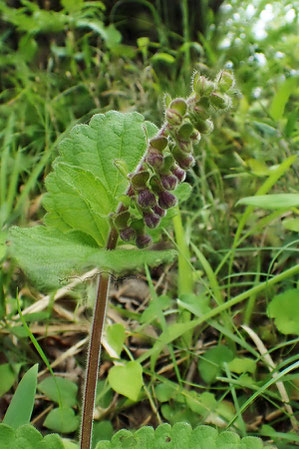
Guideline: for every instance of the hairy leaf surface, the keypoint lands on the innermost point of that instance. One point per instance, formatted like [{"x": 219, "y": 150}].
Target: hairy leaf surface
[
  {"x": 50, "y": 257},
  {"x": 86, "y": 183}
]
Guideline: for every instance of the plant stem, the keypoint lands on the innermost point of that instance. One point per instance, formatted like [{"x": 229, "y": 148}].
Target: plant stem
[{"x": 93, "y": 358}]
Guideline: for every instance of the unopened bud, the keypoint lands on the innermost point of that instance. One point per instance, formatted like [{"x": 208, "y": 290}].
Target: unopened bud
[
  {"x": 173, "y": 117},
  {"x": 159, "y": 211},
  {"x": 167, "y": 164},
  {"x": 127, "y": 234},
  {"x": 185, "y": 130},
  {"x": 154, "y": 158},
  {"x": 167, "y": 200},
  {"x": 121, "y": 219},
  {"x": 179, "y": 105},
  {"x": 151, "y": 219},
  {"x": 225, "y": 80},
  {"x": 201, "y": 85},
  {"x": 143, "y": 240},
  {"x": 219, "y": 101},
  {"x": 179, "y": 173},
  {"x": 201, "y": 112},
  {"x": 169, "y": 182},
  {"x": 146, "y": 199},
  {"x": 139, "y": 180},
  {"x": 185, "y": 146},
  {"x": 155, "y": 184},
  {"x": 184, "y": 160},
  {"x": 159, "y": 142},
  {"x": 204, "y": 126}
]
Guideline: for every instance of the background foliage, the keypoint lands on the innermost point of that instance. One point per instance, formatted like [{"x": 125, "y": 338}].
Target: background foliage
[{"x": 61, "y": 62}]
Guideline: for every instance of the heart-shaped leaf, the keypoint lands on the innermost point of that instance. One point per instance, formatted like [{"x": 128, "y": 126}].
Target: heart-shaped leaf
[{"x": 127, "y": 379}]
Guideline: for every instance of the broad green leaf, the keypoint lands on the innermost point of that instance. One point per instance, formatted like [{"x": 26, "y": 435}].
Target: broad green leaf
[
  {"x": 291, "y": 224},
  {"x": 50, "y": 257},
  {"x": 284, "y": 308},
  {"x": 241, "y": 365},
  {"x": 179, "y": 436},
  {"x": 67, "y": 444},
  {"x": 8, "y": 376},
  {"x": 116, "y": 337},
  {"x": 251, "y": 443},
  {"x": 7, "y": 436},
  {"x": 86, "y": 184},
  {"x": 102, "y": 430},
  {"x": 29, "y": 434},
  {"x": 62, "y": 420},
  {"x": 281, "y": 97},
  {"x": 126, "y": 380},
  {"x": 21, "y": 406},
  {"x": 275, "y": 201},
  {"x": 53, "y": 441},
  {"x": 166, "y": 391},
  {"x": 67, "y": 390},
  {"x": 210, "y": 365}
]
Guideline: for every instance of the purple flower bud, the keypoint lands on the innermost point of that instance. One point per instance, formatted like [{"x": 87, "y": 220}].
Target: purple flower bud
[
  {"x": 179, "y": 173},
  {"x": 186, "y": 162},
  {"x": 159, "y": 211},
  {"x": 143, "y": 240},
  {"x": 146, "y": 199},
  {"x": 154, "y": 158},
  {"x": 185, "y": 146},
  {"x": 127, "y": 234},
  {"x": 169, "y": 182},
  {"x": 183, "y": 159},
  {"x": 167, "y": 200},
  {"x": 151, "y": 220}
]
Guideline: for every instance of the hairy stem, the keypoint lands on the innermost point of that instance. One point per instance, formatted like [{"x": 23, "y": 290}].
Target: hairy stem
[{"x": 93, "y": 359}]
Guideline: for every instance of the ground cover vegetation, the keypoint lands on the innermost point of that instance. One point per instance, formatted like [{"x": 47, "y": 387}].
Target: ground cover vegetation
[{"x": 208, "y": 337}]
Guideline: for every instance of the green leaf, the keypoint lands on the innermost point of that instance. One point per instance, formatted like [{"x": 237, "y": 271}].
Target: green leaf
[
  {"x": 67, "y": 390},
  {"x": 62, "y": 420},
  {"x": 241, "y": 365},
  {"x": 21, "y": 406},
  {"x": 275, "y": 201},
  {"x": 67, "y": 444},
  {"x": 211, "y": 365},
  {"x": 102, "y": 430},
  {"x": 7, "y": 436},
  {"x": 291, "y": 224},
  {"x": 179, "y": 436},
  {"x": 53, "y": 441},
  {"x": 28, "y": 434},
  {"x": 251, "y": 443},
  {"x": 281, "y": 97},
  {"x": 85, "y": 185},
  {"x": 126, "y": 380},
  {"x": 166, "y": 391},
  {"x": 116, "y": 337},
  {"x": 8, "y": 376},
  {"x": 284, "y": 308},
  {"x": 49, "y": 257}
]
